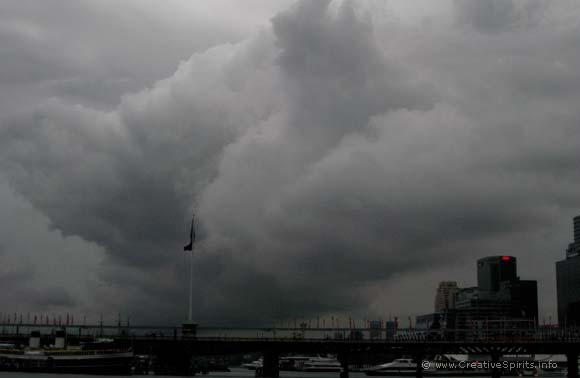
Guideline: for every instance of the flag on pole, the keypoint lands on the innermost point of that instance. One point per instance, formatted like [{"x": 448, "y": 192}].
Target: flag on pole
[{"x": 189, "y": 247}]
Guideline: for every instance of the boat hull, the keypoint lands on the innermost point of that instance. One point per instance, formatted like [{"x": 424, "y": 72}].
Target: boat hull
[
  {"x": 442, "y": 373},
  {"x": 98, "y": 364},
  {"x": 321, "y": 370}
]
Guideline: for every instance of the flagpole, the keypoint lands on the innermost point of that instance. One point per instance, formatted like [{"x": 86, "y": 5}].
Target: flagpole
[
  {"x": 189, "y": 248},
  {"x": 190, "y": 313}
]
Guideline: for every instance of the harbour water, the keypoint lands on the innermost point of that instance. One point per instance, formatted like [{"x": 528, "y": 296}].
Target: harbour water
[{"x": 234, "y": 373}]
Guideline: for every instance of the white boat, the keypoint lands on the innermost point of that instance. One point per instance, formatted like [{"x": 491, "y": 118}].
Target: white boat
[
  {"x": 408, "y": 367},
  {"x": 321, "y": 364},
  {"x": 400, "y": 366},
  {"x": 551, "y": 365},
  {"x": 254, "y": 364},
  {"x": 292, "y": 363}
]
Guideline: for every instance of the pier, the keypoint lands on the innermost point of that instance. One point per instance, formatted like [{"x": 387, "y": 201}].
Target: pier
[{"x": 178, "y": 345}]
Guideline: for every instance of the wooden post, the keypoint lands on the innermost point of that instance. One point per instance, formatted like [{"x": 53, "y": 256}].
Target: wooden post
[
  {"x": 343, "y": 358},
  {"x": 495, "y": 371},
  {"x": 572, "y": 365},
  {"x": 270, "y": 368},
  {"x": 419, "y": 360}
]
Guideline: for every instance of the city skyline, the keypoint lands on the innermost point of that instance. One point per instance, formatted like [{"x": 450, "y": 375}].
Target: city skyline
[
  {"x": 342, "y": 157},
  {"x": 446, "y": 295}
]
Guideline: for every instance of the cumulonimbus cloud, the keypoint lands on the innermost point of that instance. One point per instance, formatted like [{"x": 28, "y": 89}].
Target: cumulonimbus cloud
[{"x": 320, "y": 160}]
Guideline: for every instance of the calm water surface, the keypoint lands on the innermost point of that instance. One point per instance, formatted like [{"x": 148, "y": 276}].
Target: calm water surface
[{"x": 234, "y": 373}]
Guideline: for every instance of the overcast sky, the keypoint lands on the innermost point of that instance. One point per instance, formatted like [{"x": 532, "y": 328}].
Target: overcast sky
[{"x": 342, "y": 157}]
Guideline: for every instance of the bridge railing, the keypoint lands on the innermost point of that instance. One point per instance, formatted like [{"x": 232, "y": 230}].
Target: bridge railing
[
  {"x": 408, "y": 335},
  {"x": 399, "y": 335}
]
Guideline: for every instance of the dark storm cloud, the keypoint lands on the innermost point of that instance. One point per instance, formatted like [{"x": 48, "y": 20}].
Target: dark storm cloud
[
  {"x": 335, "y": 77},
  {"x": 45, "y": 299},
  {"x": 40, "y": 269},
  {"x": 93, "y": 52},
  {"x": 496, "y": 16},
  {"x": 327, "y": 163},
  {"x": 51, "y": 297}
]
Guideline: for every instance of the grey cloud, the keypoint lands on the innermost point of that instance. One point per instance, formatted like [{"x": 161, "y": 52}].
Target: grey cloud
[
  {"x": 120, "y": 179},
  {"x": 52, "y": 297},
  {"x": 38, "y": 299},
  {"x": 335, "y": 75},
  {"x": 94, "y": 52},
  {"x": 40, "y": 269},
  {"x": 496, "y": 16},
  {"x": 325, "y": 160}
]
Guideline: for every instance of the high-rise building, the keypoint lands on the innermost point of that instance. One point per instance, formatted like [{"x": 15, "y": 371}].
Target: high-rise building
[
  {"x": 568, "y": 282},
  {"x": 568, "y": 286},
  {"x": 474, "y": 306},
  {"x": 573, "y": 249},
  {"x": 493, "y": 270},
  {"x": 523, "y": 296},
  {"x": 445, "y": 297},
  {"x": 500, "y": 295},
  {"x": 500, "y": 301}
]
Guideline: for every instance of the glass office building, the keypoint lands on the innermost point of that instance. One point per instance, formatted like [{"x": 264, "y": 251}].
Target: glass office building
[{"x": 493, "y": 270}]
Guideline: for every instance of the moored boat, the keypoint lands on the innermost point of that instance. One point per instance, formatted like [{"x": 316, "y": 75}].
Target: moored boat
[
  {"x": 102, "y": 360},
  {"x": 407, "y": 367},
  {"x": 292, "y": 363},
  {"x": 321, "y": 364},
  {"x": 397, "y": 367},
  {"x": 254, "y": 364}
]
